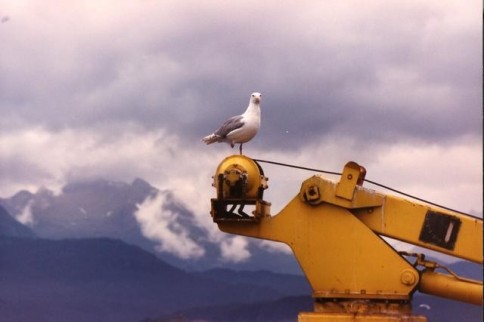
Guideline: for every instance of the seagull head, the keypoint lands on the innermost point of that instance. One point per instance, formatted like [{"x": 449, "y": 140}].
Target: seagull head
[{"x": 255, "y": 98}]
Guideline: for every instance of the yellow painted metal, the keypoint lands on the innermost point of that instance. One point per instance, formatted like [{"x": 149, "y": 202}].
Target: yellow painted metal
[
  {"x": 339, "y": 255},
  {"x": 334, "y": 230},
  {"x": 232, "y": 168},
  {"x": 403, "y": 220},
  {"x": 353, "y": 175},
  {"x": 450, "y": 287},
  {"x": 391, "y": 216},
  {"x": 317, "y": 190}
]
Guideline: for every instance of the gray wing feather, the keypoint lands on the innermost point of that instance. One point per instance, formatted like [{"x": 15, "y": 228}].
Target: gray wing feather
[{"x": 230, "y": 125}]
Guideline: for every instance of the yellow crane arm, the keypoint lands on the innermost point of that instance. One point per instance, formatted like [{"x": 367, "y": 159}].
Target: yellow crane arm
[
  {"x": 422, "y": 225},
  {"x": 334, "y": 229}
]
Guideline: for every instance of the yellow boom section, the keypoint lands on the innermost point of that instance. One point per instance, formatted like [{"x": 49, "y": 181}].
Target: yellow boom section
[{"x": 335, "y": 229}]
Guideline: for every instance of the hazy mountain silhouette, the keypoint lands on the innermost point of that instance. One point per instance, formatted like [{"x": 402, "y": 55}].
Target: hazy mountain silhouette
[
  {"x": 108, "y": 280},
  {"x": 9, "y": 227},
  {"x": 103, "y": 208},
  {"x": 104, "y": 280}
]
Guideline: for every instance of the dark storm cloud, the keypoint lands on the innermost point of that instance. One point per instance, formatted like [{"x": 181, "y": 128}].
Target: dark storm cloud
[
  {"x": 391, "y": 79},
  {"x": 403, "y": 75},
  {"x": 378, "y": 74}
]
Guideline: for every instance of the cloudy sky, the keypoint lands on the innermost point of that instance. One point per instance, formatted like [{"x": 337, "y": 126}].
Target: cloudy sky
[{"x": 126, "y": 89}]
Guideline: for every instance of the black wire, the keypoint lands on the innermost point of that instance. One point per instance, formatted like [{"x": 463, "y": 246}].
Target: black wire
[
  {"x": 297, "y": 167},
  {"x": 369, "y": 181}
]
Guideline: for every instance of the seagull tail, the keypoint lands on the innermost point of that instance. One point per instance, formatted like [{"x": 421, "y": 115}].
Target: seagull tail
[{"x": 212, "y": 138}]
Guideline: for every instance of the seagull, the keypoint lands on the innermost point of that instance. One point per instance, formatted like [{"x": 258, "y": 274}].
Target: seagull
[{"x": 241, "y": 128}]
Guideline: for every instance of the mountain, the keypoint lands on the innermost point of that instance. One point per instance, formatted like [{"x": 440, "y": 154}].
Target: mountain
[
  {"x": 108, "y": 280},
  {"x": 282, "y": 310},
  {"x": 466, "y": 269},
  {"x": 139, "y": 214},
  {"x": 283, "y": 283},
  {"x": 103, "y": 208},
  {"x": 98, "y": 208},
  {"x": 104, "y": 280},
  {"x": 9, "y": 227}
]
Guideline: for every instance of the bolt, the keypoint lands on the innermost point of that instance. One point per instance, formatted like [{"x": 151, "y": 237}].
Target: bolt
[
  {"x": 311, "y": 194},
  {"x": 408, "y": 277}
]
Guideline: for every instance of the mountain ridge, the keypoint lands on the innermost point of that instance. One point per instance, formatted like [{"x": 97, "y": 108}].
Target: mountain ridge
[
  {"x": 103, "y": 208},
  {"x": 108, "y": 280},
  {"x": 113, "y": 280},
  {"x": 12, "y": 228}
]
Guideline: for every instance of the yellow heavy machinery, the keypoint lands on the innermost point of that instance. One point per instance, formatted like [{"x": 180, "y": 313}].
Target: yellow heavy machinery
[{"x": 335, "y": 231}]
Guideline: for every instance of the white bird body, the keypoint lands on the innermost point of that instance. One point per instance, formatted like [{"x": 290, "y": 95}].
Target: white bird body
[{"x": 241, "y": 128}]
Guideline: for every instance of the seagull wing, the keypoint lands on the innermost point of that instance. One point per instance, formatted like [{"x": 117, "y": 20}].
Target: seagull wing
[{"x": 230, "y": 125}]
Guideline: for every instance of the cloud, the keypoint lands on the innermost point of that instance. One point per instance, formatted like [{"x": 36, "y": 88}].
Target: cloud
[
  {"x": 273, "y": 247},
  {"x": 449, "y": 175},
  {"x": 405, "y": 72},
  {"x": 173, "y": 235},
  {"x": 235, "y": 250},
  {"x": 26, "y": 216},
  {"x": 161, "y": 225},
  {"x": 36, "y": 156}
]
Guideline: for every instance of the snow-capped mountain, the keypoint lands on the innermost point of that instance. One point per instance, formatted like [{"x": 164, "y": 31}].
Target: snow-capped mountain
[{"x": 142, "y": 215}]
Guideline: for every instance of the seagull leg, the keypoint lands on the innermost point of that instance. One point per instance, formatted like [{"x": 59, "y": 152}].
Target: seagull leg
[{"x": 240, "y": 148}]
